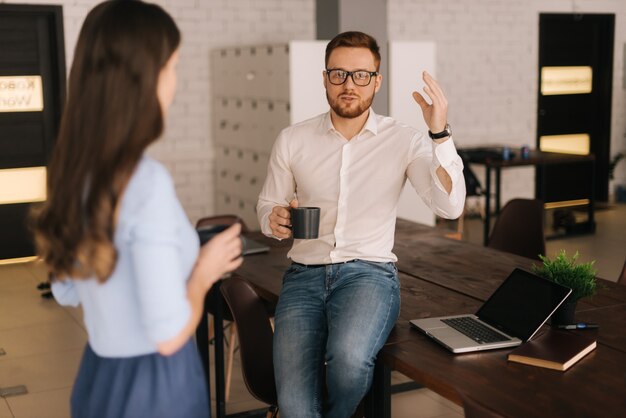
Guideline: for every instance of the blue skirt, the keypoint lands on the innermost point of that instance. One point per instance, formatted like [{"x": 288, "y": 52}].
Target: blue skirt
[{"x": 151, "y": 385}]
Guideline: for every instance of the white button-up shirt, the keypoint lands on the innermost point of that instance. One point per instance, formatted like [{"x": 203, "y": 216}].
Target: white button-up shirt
[{"x": 357, "y": 184}]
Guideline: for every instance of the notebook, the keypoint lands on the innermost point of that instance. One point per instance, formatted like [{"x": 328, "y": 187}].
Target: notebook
[
  {"x": 249, "y": 246},
  {"x": 511, "y": 315},
  {"x": 557, "y": 350}
]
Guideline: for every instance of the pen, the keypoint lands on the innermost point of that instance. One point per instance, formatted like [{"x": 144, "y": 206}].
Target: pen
[{"x": 580, "y": 325}]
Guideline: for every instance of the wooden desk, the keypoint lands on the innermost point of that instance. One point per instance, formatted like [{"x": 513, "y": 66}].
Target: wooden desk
[
  {"x": 537, "y": 158},
  {"x": 594, "y": 387},
  {"x": 442, "y": 276}
]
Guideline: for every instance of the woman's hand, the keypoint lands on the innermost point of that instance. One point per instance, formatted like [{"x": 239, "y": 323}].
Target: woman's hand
[{"x": 221, "y": 255}]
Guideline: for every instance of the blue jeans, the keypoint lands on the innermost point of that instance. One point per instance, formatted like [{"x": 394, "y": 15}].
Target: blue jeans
[{"x": 338, "y": 314}]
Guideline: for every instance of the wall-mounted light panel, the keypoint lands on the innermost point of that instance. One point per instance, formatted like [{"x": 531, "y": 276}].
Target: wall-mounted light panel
[
  {"x": 21, "y": 94},
  {"x": 22, "y": 185},
  {"x": 18, "y": 260},
  {"x": 569, "y": 144},
  {"x": 566, "y": 80}
]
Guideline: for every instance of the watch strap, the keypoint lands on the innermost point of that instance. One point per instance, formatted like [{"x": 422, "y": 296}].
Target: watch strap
[{"x": 442, "y": 134}]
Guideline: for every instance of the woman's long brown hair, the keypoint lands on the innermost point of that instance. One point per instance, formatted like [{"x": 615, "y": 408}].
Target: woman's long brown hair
[{"x": 112, "y": 114}]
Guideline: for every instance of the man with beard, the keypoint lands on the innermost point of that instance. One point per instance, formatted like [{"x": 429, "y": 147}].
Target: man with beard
[{"x": 340, "y": 296}]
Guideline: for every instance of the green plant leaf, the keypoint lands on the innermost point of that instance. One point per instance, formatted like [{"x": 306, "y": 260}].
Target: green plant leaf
[{"x": 564, "y": 270}]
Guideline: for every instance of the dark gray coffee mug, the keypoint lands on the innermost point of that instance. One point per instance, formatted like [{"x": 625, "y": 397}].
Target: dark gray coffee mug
[{"x": 305, "y": 222}]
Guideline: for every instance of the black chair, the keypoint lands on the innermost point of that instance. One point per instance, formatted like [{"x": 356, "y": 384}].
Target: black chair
[
  {"x": 226, "y": 315},
  {"x": 473, "y": 188},
  {"x": 255, "y": 334},
  {"x": 472, "y": 184},
  {"x": 519, "y": 229}
]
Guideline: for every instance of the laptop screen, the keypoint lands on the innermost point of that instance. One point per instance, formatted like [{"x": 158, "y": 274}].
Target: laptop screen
[{"x": 522, "y": 304}]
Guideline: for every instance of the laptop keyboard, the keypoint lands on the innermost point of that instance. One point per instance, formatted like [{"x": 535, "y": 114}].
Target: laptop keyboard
[{"x": 475, "y": 330}]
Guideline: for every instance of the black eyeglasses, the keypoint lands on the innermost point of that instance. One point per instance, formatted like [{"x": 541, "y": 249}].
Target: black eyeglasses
[{"x": 361, "y": 78}]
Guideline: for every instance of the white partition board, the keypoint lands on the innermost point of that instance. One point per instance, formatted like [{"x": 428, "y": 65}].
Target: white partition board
[
  {"x": 306, "y": 91},
  {"x": 408, "y": 59}
]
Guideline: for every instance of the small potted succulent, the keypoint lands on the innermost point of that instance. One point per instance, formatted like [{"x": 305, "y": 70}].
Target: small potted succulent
[{"x": 564, "y": 270}]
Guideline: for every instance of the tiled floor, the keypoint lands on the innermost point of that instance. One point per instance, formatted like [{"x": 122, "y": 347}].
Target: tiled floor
[{"x": 43, "y": 342}]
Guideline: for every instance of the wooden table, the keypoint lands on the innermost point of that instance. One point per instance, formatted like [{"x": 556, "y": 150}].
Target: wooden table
[
  {"x": 441, "y": 276},
  {"x": 538, "y": 159},
  {"x": 468, "y": 274}
]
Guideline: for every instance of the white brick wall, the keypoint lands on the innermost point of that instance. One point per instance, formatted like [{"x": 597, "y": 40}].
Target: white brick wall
[
  {"x": 487, "y": 52},
  {"x": 187, "y": 147},
  {"x": 486, "y": 62}
]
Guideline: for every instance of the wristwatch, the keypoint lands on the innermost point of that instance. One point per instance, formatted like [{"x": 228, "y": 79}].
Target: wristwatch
[{"x": 438, "y": 135}]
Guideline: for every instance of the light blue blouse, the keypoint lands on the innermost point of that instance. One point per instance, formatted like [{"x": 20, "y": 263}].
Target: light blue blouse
[{"x": 145, "y": 300}]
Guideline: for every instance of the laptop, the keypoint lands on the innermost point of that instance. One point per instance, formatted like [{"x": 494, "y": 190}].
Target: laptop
[
  {"x": 249, "y": 246},
  {"x": 511, "y": 316}
]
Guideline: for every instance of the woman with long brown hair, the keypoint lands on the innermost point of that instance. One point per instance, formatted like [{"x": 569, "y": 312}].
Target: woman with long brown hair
[{"x": 113, "y": 232}]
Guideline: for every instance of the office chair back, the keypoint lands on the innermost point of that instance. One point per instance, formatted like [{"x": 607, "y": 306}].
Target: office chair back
[
  {"x": 519, "y": 229},
  {"x": 255, "y": 335},
  {"x": 472, "y": 188}
]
